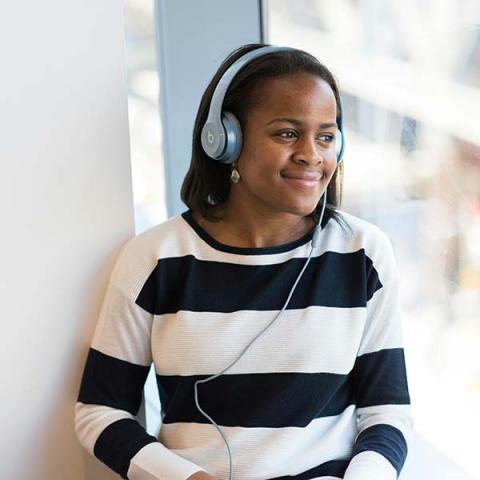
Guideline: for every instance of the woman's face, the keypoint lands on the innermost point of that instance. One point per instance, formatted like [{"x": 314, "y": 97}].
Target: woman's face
[{"x": 288, "y": 155}]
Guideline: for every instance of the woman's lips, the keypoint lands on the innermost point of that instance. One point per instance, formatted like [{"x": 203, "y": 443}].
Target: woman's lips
[{"x": 302, "y": 179}]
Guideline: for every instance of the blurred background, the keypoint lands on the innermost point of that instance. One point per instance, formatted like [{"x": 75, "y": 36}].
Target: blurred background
[{"x": 409, "y": 73}]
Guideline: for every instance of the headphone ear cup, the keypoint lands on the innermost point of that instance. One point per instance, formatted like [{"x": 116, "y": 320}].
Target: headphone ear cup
[{"x": 233, "y": 137}]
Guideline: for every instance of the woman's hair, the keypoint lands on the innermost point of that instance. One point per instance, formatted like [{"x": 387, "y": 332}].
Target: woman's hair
[{"x": 207, "y": 181}]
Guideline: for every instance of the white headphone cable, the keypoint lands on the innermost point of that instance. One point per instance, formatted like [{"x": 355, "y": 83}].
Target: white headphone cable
[{"x": 315, "y": 241}]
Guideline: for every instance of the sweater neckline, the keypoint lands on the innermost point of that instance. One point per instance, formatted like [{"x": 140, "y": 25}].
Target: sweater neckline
[{"x": 285, "y": 247}]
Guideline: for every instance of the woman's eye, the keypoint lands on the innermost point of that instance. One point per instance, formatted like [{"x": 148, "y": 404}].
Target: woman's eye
[
  {"x": 327, "y": 138},
  {"x": 286, "y": 134},
  {"x": 289, "y": 134}
]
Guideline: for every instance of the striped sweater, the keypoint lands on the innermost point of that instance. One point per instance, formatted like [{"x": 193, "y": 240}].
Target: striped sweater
[{"x": 322, "y": 394}]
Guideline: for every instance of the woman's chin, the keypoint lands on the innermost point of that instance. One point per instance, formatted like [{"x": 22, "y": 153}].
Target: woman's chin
[{"x": 302, "y": 210}]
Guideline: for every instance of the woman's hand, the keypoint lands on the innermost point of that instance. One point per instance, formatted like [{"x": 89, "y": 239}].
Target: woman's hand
[{"x": 201, "y": 476}]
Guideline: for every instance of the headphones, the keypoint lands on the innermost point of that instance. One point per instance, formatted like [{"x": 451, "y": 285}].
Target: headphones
[
  {"x": 221, "y": 139},
  {"x": 221, "y": 135}
]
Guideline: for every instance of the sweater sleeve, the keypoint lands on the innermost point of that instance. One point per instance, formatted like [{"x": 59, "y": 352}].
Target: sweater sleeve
[
  {"x": 115, "y": 371},
  {"x": 379, "y": 379}
]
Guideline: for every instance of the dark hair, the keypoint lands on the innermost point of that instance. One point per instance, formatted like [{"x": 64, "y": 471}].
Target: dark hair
[{"x": 207, "y": 181}]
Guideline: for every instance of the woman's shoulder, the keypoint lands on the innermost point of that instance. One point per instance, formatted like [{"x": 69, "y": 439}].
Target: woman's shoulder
[
  {"x": 139, "y": 255},
  {"x": 360, "y": 228},
  {"x": 158, "y": 234},
  {"x": 377, "y": 245}
]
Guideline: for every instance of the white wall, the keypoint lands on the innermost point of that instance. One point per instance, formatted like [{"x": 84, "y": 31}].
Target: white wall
[{"x": 65, "y": 208}]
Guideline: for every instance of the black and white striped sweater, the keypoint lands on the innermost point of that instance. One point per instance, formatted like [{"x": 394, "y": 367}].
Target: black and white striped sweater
[{"x": 321, "y": 395}]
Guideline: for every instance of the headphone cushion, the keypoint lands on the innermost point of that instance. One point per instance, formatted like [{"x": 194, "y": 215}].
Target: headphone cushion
[{"x": 233, "y": 137}]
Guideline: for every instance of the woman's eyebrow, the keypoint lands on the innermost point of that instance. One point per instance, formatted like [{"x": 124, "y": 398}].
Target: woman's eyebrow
[{"x": 299, "y": 123}]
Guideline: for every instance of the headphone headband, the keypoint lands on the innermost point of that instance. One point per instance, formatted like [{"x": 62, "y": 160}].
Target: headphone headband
[{"x": 214, "y": 113}]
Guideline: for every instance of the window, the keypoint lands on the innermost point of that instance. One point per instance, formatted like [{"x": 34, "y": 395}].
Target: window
[
  {"x": 144, "y": 116},
  {"x": 409, "y": 72}
]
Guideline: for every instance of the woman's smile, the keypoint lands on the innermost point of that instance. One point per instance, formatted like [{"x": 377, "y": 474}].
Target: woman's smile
[{"x": 302, "y": 178}]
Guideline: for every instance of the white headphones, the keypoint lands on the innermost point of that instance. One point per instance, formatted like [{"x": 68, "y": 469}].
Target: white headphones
[{"x": 221, "y": 135}]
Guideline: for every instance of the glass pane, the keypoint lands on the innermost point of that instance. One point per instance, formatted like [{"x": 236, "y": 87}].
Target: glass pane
[
  {"x": 145, "y": 148},
  {"x": 409, "y": 72},
  {"x": 144, "y": 117}
]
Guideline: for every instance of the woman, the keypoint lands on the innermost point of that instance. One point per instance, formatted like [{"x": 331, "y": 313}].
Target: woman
[{"x": 323, "y": 393}]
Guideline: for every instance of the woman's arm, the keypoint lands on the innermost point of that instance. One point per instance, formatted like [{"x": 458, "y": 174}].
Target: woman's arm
[
  {"x": 117, "y": 365},
  {"x": 379, "y": 381}
]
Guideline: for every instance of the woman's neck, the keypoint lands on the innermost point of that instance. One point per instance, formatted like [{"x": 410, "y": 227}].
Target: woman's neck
[{"x": 254, "y": 229}]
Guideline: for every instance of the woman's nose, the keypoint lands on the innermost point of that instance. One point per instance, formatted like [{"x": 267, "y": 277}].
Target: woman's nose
[{"x": 308, "y": 152}]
